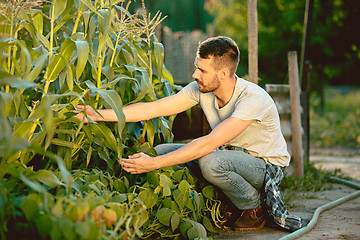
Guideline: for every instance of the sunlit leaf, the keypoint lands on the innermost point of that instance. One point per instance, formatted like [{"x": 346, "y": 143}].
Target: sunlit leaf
[
  {"x": 47, "y": 177},
  {"x": 106, "y": 134},
  {"x": 60, "y": 60},
  {"x": 82, "y": 49},
  {"x": 164, "y": 216},
  {"x": 59, "y": 7},
  {"x": 148, "y": 197}
]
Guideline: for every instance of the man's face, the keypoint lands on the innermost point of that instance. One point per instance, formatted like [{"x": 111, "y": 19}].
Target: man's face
[{"x": 205, "y": 75}]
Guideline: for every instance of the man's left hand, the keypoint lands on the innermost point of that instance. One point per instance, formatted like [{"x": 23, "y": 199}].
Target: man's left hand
[{"x": 138, "y": 163}]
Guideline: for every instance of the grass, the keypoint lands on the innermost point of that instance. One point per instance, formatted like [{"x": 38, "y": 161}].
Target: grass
[
  {"x": 337, "y": 123},
  {"x": 314, "y": 180}
]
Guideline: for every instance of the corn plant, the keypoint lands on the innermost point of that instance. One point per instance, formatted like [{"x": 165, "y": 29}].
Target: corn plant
[{"x": 60, "y": 178}]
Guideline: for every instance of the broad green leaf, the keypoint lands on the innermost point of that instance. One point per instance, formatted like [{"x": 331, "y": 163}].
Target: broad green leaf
[
  {"x": 209, "y": 192},
  {"x": 153, "y": 177},
  {"x": 62, "y": 22},
  {"x": 150, "y": 131},
  {"x": 8, "y": 79},
  {"x": 112, "y": 98},
  {"x": 82, "y": 228},
  {"x": 43, "y": 40},
  {"x": 148, "y": 197},
  {"x": 39, "y": 64},
  {"x": 165, "y": 181},
  {"x": 91, "y": 7},
  {"x": 33, "y": 185},
  {"x": 30, "y": 208},
  {"x": 178, "y": 175},
  {"x": 60, "y": 60},
  {"x": 64, "y": 143},
  {"x": 184, "y": 187},
  {"x": 196, "y": 198},
  {"x": 180, "y": 199},
  {"x": 175, "y": 221},
  {"x": 47, "y": 177},
  {"x": 44, "y": 225},
  {"x": 105, "y": 133},
  {"x": 82, "y": 49},
  {"x": 159, "y": 55},
  {"x": 69, "y": 77},
  {"x": 142, "y": 56},
  {"x": 164, "y": 216},
  {"x": 59, "y": 7},
  {"x": 168, "y": 76},
  {"x": 104, "y": 21},
  {"x": 166, "y": 191},
  {"x": 196, "y": 230},
  {"x": 208, "y": 224},
  {"x": 37, "y": 20}
]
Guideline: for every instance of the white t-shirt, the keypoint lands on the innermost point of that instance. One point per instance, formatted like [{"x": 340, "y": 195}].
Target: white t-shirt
[{"x": 263, "y": 138}]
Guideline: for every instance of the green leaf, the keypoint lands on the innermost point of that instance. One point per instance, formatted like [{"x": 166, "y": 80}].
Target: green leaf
[
  {"x": 43, "y": 40},
  {"x": 33, "y": 185},
  {"x": 112, "y": 98},
  {"x": 196, "y": 230},
  {"x": 180, "y": 199},
  {"x": 178, "y": 175},
  {"x": 60, "y": 6},
  {"x": 164, "y": 216},
  {"x": 8, "y": 79},
  {"x": 39, "y": 65},
  {"x": 90, "y": 6},
  {"x": 153, "y": 177},
  {"x": 209, "y": 192},
  {"x": 30, "y": 208},
  {"x": 64, "y": 143},
  {"x": 159, "y": 55},
  {"x": 37, "y": 20},
  {"x": 184, "y": 187},
  {"x": 208, "y": 224},
  {"x": 60, "y": 60},
  {"x": 104, "y": 21},
  {"x": 148, "y": 197},
  {"x": 105, "y": 133},
  {"x": 82, "y": 48},
  {"x": 175, "y": 221},
  {"x": 165, "y": 181},
  {"x": 82, "y": 229},
  {"x": 166, "y": 191},
  {"x": 47, "y": 177},
  {"x": 44, "y": 225}
]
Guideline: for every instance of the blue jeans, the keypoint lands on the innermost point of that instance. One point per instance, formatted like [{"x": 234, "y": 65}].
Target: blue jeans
[{"x": 237, "y": 174}]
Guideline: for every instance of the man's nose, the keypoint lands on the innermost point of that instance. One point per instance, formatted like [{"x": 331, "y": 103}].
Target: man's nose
[{"x": 195, "y": 74}]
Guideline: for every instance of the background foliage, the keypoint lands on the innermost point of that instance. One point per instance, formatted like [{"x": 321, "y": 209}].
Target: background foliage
[
  {"x": 61, "y": 178},
  {"x": 338, "y": 124}
]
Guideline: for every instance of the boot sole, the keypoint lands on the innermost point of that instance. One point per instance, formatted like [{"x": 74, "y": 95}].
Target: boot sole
[{"x": 243, "y": 229}]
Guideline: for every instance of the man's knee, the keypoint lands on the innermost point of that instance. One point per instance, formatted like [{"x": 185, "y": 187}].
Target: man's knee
[{"x": 210, "y": 167}]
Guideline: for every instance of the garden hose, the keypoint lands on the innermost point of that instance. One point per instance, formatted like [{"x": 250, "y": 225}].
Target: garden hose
[{"x": 325, "y": 207}]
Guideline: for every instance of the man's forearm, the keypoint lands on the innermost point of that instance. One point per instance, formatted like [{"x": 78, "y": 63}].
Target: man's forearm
[{"x": 191, "y": 151}]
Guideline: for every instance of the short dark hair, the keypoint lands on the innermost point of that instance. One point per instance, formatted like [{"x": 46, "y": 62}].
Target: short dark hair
[{"x": 224, "y": 50}]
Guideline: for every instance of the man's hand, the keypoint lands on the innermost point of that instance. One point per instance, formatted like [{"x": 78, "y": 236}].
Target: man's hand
[
  {"x": 90, "y": 113},
  {"x": 138, "y": 163}
]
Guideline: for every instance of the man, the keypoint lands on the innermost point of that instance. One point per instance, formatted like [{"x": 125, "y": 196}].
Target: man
[{"x": 245, "y": 134}]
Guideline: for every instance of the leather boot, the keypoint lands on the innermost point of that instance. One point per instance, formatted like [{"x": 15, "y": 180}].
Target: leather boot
[{"x": 251, "y": 219}]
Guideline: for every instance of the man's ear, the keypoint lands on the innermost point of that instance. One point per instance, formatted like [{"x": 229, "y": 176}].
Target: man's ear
[{"x": 223, "y": 73}]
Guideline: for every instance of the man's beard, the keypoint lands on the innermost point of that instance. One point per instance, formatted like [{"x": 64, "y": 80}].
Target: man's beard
[{"x": 213, "y": 85}]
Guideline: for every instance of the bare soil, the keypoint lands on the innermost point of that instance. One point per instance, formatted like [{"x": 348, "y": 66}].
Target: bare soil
[{"x": 341, "y": 222}]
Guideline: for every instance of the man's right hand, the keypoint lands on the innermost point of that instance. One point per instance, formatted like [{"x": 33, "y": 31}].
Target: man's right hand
[{"x": 90, "y": 113}]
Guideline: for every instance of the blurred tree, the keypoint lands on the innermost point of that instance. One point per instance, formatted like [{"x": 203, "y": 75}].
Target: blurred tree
[
  {"x": 185, "y": 15},
  {"x": 335, "y": 41}
]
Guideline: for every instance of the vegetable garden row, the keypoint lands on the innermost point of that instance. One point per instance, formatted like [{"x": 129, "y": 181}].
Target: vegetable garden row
[{"x": 61, "y": 178}]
